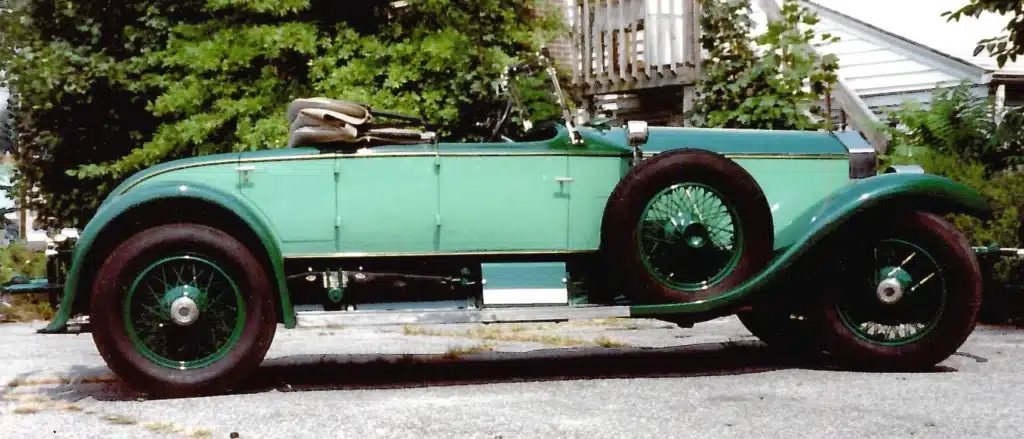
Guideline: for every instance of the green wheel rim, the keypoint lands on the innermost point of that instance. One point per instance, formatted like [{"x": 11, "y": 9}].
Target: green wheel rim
[
  {"x": 910, "y": 319},
  {"x": 147, "y": 312},
  {"x": 688, "y": 237}
]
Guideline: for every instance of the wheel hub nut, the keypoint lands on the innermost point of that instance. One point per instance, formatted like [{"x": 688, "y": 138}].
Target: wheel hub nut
[
  {"x": 184, "y": 311},
  {"x": 889, "y": 291}
]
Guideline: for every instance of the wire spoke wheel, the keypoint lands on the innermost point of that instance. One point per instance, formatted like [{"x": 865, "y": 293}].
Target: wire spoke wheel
[
  {"x": 683, "y": 226},
  {"x": 907, "y": 295},
  {"x": 184, "y": 312},
  {"x": 182, "y": 309},
  {"x": 903, "y": 296},
  {"x": 688, "y": 238}
]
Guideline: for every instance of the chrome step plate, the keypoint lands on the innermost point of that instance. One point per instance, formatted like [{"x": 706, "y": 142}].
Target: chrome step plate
[{"x": 319, "y": 319}]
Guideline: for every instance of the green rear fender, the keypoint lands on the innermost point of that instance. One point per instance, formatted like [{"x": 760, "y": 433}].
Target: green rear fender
[
  {"x": 164, "y": 191},
  {"x": 904, "y": 191}
]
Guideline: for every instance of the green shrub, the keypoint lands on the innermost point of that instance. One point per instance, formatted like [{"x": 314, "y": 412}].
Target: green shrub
[
  {"x": 17, "y": 259},
  {"x": 768, "y": 81}
]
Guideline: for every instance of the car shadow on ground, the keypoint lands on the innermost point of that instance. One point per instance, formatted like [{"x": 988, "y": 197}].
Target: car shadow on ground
[
  {"x": 333, "y": 372},
  {"x": 349, "y": 372}
]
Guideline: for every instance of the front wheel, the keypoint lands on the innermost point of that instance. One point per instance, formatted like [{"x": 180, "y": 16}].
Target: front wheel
[
  {"x": 905, "y": 294},
  {"x": 182, "y": 310}
]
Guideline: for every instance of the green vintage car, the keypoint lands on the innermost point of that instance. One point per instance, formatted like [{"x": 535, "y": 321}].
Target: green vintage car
[{"x": 188, "y": 268}]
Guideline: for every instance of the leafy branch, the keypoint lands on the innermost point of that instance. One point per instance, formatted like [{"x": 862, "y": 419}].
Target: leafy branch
[
  {"x": 772, "y": 81},
  {"x": 1004, "y": 47}
]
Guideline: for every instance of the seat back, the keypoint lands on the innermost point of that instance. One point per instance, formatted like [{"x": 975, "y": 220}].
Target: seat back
[{"x": 326, "y": 121}]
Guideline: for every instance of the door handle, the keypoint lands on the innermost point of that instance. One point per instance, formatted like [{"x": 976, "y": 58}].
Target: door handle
[
  {"x": 565, "y": 179},
  {"x": 244, "y": 170}
]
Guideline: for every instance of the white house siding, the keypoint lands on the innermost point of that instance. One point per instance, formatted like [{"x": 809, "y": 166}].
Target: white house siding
[
  {"x": 921, "y": 21},
  {"x": 886, "y": 69},
  {"x": 882, "y": 67}
]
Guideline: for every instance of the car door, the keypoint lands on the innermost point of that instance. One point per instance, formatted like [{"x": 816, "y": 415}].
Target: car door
[
  {"x": 388, "y": 200},
  {"x": 295, "y": 190},
  {"x": 503, "y": 197}
]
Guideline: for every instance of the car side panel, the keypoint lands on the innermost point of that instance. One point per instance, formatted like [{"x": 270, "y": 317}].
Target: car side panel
[
  {"x": 503, "y": 203},
  {"x": 298, "y": 197},
  {"x": 388, "y": 204},
  {"x": 595, "y": 178},
  {"x": 221, "y": 176},
  {"x": 796, "y": 183}
]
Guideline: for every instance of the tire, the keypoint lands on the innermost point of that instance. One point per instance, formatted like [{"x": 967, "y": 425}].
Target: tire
[
  {"x": 783, "y": 331},
  {"x": 232, "y": 274},
  {"x": 947, "y": 301},
  {"x": 717, "y": 181}
]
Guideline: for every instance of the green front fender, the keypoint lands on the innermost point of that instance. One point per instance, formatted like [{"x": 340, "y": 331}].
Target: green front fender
[
  {"x": 906, "y": 191},
  {"x": 160, "y": 192}
]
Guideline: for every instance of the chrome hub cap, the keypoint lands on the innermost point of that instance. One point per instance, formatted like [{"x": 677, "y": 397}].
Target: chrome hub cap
[
  {"x": 889, "y": 291},
  {"x": 184, "y": 311}
]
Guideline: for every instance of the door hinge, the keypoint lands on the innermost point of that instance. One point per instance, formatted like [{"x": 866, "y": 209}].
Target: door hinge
[{"x": 337, "y": 222}]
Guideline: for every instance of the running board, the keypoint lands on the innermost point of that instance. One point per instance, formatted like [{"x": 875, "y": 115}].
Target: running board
[{"x": 319, "y": 319}]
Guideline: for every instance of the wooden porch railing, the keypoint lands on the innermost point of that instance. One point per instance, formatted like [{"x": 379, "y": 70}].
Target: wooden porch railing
[{"x": 624, "y": 45}]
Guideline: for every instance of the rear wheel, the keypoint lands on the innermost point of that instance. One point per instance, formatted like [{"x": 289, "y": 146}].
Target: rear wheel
[
  {"x": 784, "y": 330},
  {"x": 685, "y": 225},
  {"x": 182, "y": 309},
  {"x": 905, "y": 294}
]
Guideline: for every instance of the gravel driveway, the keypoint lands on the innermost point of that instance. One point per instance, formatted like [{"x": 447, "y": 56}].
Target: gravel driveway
[{"x": 598, "y": 379}]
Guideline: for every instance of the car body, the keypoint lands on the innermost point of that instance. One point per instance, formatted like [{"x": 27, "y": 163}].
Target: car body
[{"x": 547, "y": 227}]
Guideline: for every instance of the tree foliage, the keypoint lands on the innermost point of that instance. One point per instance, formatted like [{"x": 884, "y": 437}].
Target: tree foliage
[
  {"x": 772, "y": 81},
  {"x": 106, "y": 88},
  {"x": 962, "y": 126},
  {"x": 6, "y": 131},
  {"x": 16, "y": 259},
  {"x": 1003, "y": 47}
]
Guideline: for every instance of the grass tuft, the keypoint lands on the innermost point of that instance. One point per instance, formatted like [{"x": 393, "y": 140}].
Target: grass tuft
[
  {"x": 516, "y": 333},
  {"x": 460, "y": 351},
  {"x": 160, "y": 427},
  {"x": 69, "y": 407},
  {"x": 606, "y": 342},
  {"x": 27, "y": 308},
  {"x": 28, "y": 409},
  {"x": 119, "y": 420},
  {"x": 201, "y": 432}
]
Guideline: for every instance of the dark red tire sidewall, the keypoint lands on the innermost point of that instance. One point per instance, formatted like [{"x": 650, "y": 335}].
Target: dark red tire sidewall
[
  {"x": 116, "y": 274},
  {"x": 963, "y": 278},
  {"x": 734, "y": 185}
]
